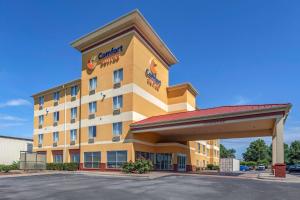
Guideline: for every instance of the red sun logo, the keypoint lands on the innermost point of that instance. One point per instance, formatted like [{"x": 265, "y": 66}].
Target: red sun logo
[
  {"x": 152, "y": 66},
  {"x": 91, "y": 63}
]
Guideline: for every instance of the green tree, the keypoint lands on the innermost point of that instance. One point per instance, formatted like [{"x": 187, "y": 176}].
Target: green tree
[
  {"x": 226, "y": 153},
  {"x": 257, "y": 151},
  {"x": 294, "y": 152},
  {"x": 286, "y": 153}
]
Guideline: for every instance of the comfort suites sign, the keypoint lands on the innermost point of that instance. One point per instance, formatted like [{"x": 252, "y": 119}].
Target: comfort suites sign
[
  {"x": 105, "y": 58},
  {"x": 151, "y": 74}
]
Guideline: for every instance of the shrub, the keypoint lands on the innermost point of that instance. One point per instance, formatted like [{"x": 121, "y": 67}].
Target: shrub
[
  {"x": 140, "y": 166},
  {"x": 215, "y": 167},
  {"x": 62, "y": 166},
  {"x": 6, "y": 168},
  {"x": 264, "y": 162},
  {"x": 71, "y": 166},
  {"x": 15, "y": 165},
  {"x": 128, "y": 167},
  {"x": 209, "y": 166}
]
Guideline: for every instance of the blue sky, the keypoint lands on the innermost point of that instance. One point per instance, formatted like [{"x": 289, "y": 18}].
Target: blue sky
[{"x": 233, "y": 52}]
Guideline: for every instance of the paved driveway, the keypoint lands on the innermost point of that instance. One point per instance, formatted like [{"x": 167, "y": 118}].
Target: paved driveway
[{"x": 88, "y": 187}]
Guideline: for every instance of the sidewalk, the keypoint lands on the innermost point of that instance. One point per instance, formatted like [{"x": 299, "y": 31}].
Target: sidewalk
[{"x": 270, "y": 177}]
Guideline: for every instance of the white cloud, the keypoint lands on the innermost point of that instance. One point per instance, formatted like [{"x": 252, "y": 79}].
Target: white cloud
[
  {"x": 10, "y": 124},
  {"x": 241, "y": 100},
  {"x": 11, "y": 118},
  {"x": 15, "y": 102}
]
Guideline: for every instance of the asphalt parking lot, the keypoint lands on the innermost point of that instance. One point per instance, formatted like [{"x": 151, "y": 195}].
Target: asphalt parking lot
[{"x": 88, "y": 187}]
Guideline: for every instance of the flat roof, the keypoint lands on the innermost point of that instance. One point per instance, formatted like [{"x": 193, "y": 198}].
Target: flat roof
[
  {"x": 16, "y": 138},
  {"x": 131, "y": 19},
  {"x": 56, "y": 87}
]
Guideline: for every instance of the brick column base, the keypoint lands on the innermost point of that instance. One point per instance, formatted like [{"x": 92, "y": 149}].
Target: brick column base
[{"x": 280, "y": 170}]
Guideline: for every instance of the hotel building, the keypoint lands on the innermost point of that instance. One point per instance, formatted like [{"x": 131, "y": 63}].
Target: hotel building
[{"x": 122, "y": 108}]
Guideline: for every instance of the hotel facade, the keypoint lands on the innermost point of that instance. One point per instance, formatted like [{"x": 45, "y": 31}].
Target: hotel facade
[{"x": 122, "y": 108}]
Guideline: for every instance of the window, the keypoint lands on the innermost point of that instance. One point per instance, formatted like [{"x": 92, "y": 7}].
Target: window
[
  {"x": 144, "y": 155},
  {"x": 41, "y": 100},
  {"x": 29, "y": 147},
  {"x": 93, "y": 83},
  {"x": 56, "y": 96},
  {"x": 118, "y": 102},
  {"x": 93, "y": 107},
  {"x": 92, "y": 159},
  {"x": 41, "y": 119},
  {"x": 57, "y": 158},
  {"x": 117, "y": 128},
  {"x": 115, "y": 159},
  {"x": 118, "y": 75},
  {"x": 74, "y": 90},
  {"x": 40, "y": 138},
  {"x": 74, "y": 113},
  {"x": 55, "y": 136},
  {"x": 92, "y": 132},
  {"x": 73, "y": 134},
  {"x": 74, "y": 157},
  {"x": 56, "y": 116},
  {"x": 199, "y": 147},
  {"x": 203, "y": 149}
]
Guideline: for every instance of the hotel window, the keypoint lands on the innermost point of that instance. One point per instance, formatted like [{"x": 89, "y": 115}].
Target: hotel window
[
  {"x": 57, "y": 158},
  {"x": 115, "y": 159},
  {"x": 55, "y": 136},
  {"x": 56, "y": 116},
  {"x": 144, "y": 155},
  {"x": 199, "y": 147},
  {"x": 92, "y": 107},
  {"x": 73, "y": 135},
  {"x": 74, "y": 90},
  {"x": 56, "y": 96},
  {"x": 118, "y": 75},
  {"x": 41, "y": 119},
  {"x": 92, "y": 159},
  {"x": 203, "y": 149},
  {"x": 40, "y": 138},
  {"x": 74, "y": 157},
  {"x": 74, "y": 113},
  {"x": 117, "y": 129},
  {"x": 92, "y": 132},
  {"x": 41, "y": 100},
  {"x": 118, "y": 102},
  {"x": 93, "y": 83}
]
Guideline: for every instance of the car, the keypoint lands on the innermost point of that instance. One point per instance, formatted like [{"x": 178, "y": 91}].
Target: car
[
  {"x": 294, "y": 168},
  {"x": 260, "y": 168},
  {"x": 244, "y": 168}
]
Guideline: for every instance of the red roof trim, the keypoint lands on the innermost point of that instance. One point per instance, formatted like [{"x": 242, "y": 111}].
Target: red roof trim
[
  {"x": 223, "y": 111},
  {"x": 209, "y": 121}
]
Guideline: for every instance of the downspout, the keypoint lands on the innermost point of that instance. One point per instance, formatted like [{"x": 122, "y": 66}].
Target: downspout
[
  {"x": 65, "y": 124},
  {"x": 79, "y": 126}
]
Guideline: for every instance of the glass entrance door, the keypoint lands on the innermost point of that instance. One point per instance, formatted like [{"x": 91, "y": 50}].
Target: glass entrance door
[
  {"x": 181, "y": 162},
  {"x": 163, "y": 161}
]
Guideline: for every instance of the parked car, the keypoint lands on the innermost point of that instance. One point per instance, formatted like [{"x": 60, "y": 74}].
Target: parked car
[
  {"x": 294, "y": 168},
  {"x": 261, "y": 168},
  {"x": 244, "y": 168}
]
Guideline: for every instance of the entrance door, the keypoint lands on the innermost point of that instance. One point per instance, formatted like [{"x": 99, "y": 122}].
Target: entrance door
[{"x": 181, "y": 162}]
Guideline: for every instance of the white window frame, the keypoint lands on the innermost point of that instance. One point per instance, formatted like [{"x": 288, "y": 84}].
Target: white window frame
[
  {"x": 56, "y": 96},
  {"x": 55, "y": 136},
  {"x": 74, "y": 113},
  {"x": 91, "y": 132},
  {"x": 119, "y": 100},
  {"x": 75, "y": 87},
  {"x": 56, "y": 116},
  {"x": 93, "y": 105},
  {"x": 119, "y": 78},
  {"x": 41, "y": 100},
  {"x": 41, "y": 119},
  {"x": 93, "y": 83},
  {"x": 73, "y": 135},
  {"x": 40, "y": 138},
  {"x": 117, "y": 128}
]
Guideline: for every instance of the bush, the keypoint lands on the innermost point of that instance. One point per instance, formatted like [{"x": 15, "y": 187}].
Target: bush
[
  {"x": 209, "y": 166},
  {"x": 62, "y": 166},
  {"x": 6, "y": 168},
  {"x": 71, "y": 166},
  {"x": 140, "y": 166},
  {"x": 15, "y": 165},
  {"x": 249, "y": 163},
  {"x": 212, "y": 167},
  {"x": 264, "y": 162}
]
